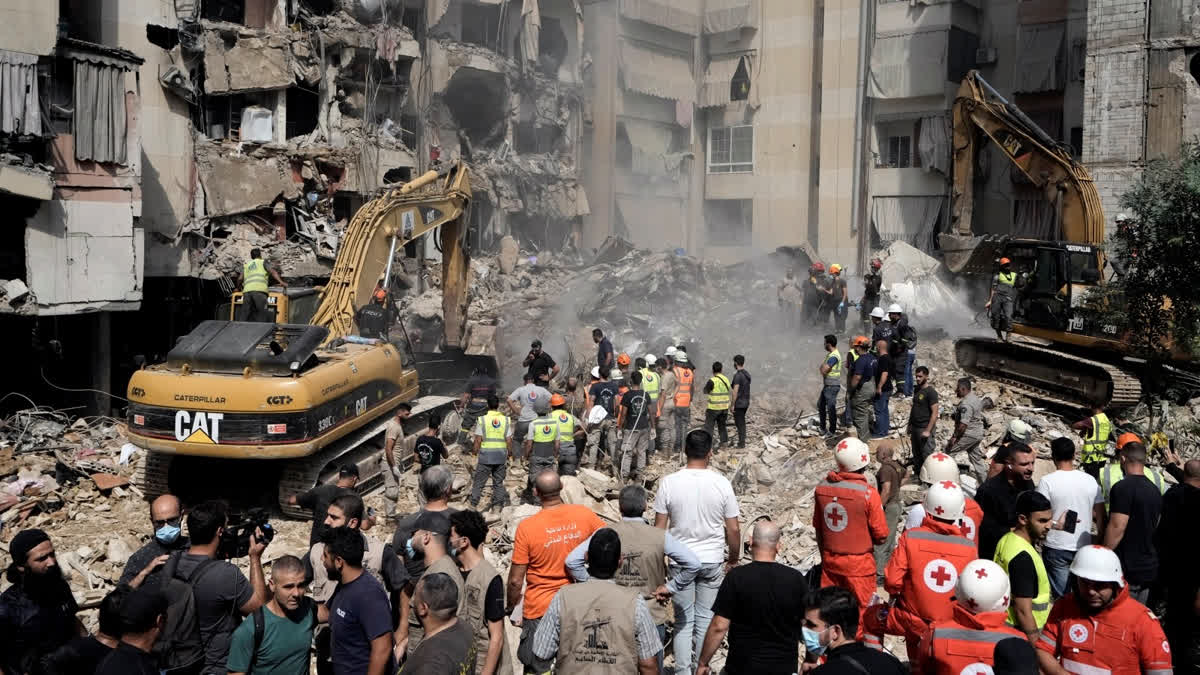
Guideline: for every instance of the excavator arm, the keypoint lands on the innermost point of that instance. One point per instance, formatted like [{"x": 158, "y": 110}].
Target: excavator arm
[
  {"x": 437, "y": 199},
  {"x": 1079, "y": 215}
]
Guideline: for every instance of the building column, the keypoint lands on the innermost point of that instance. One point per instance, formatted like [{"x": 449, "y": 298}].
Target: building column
[{"x": 102, "y": 362}]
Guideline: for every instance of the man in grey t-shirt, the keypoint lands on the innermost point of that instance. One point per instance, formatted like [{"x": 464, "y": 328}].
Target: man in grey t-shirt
[
  {"x": 524, "y": 402},
  {"x": 968, "y": 429}
]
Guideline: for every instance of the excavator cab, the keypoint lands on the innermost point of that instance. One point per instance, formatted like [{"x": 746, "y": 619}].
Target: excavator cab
[{"x": 294, "y": 304}]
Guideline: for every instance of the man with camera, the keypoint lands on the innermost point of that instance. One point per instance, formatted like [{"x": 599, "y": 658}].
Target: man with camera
[{"x": 222, "y": 593}]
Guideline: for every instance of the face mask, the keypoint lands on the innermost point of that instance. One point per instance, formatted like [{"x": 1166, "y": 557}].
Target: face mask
[
  {"x": 812, "y": 641},
  {"x": 454, "y": 552},
  {"x": 412, "y": 553},
  {"x": 167, "y": 534}
]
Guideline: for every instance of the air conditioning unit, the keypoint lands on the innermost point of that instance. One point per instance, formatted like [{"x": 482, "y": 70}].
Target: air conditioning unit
[{"x": 985, "y": 56}]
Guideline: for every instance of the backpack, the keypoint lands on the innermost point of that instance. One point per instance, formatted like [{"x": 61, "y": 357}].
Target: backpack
[{"x": 180, "y": 648}]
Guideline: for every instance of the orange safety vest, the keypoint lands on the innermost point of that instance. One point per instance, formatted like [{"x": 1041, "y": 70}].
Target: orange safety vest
[
  {"x": 1124, "y": 637},
  {"x": 934, "y": 561},
  {"x": 683, "y": 394},
  {"x": 972, "y": 517},
  {"x": 841, "y": 514},
  {"x": 966, "y": 644}
]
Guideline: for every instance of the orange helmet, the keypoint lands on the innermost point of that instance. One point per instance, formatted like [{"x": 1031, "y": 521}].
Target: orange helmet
[
  {"x": 1127, "y": 437},
  {"x": 861, "y": 341},
  {"x": 557, "y": 400},
  {"x": 623, "y": 360},
  {"x": 1005, "y": 261},
  {"x": 835, "y": 269},
  {"x": 380, "y": 295}
]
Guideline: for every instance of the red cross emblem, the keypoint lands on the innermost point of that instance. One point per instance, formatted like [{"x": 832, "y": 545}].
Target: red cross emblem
[
  {"x": 977, "y": 669},
  {"x": 863, "y": 458},
  {"x": 949, "y": 484},
  {"x": 941, "y": 457},
  {"x": 836, "y": 518},
  {"x": 968, "y": 528},
  {"x": 940, "y": 576},
  {"x": 981, "y": 573},
  {"x": 1078, "y": 633}
]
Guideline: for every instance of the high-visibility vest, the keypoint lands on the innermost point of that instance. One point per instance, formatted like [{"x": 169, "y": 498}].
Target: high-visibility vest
[
  {"x": 835, "y": 373},
  {"x": 683, "y": 394},
  {"x": 1007, "y": 278},
  {"x": 934, "y": 562},
  {"x": 545, "y": 430},
  {"x": 719, "y": 398},
  {"x": 1096, "y": 440},
  {"x": 651, "y": 384},
  {"x": 566, "y": 425},
  {"x": 254, "y": 276},
  {"x": 1010, "y": 547},
  {"x": 1111, "y": 474},
  {"x": 495, "y": 430},
  {"x": 841, "y": 513},
  {"x": 956, "y": 649}
]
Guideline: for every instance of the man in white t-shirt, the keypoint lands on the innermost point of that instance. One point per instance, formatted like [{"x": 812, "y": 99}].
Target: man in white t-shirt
[
  {"x": 702, "y": 511},
  {"x": 1069, "y": 491}
]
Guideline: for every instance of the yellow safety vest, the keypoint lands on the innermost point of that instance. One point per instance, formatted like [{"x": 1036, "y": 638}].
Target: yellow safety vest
[
  {"x": 1010, "y": 547},
  {"x": 1096, "y": 440},
  {"x": 254, "y": 276},
  {"x": 1111, "y": 474},
  {"x": 495, "y": 430},
  {"x": 835, "y": 373},
  {"x": 719, "y": 398},
  {"x": 545, "y": 430},
  {"x": 566, "y": 425},
  {"x": 651, "y": 384},
  {"x": 1007, "y": 278}
]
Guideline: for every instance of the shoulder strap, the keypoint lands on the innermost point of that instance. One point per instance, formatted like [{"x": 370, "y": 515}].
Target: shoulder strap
[
  {"x": 856, "y": 665},
  {"x": 260, "y": 627}
]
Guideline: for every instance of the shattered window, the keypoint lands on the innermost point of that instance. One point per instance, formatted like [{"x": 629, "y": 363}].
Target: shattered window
[{"x": 731, "y": 149}]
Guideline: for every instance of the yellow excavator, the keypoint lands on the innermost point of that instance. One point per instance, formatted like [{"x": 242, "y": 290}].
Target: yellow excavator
[
  {"x": 255, "y": 405},
  {"x": 1075, "y": 360}
]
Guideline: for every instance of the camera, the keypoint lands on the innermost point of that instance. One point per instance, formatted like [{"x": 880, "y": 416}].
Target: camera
[{"x": 235, "y": 540}]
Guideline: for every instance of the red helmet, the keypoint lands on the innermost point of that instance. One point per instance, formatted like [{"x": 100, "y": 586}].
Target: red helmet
[
  {"x": 876, "y": 263},
  {"x": 1005, "y": 261},
  {"x": 380, "y": 295},
  {"x": 818, "y": 266}
]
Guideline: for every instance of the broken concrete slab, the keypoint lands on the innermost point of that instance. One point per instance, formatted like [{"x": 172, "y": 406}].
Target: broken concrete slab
[
  {"x": 251, "y": 64},
  {"x": 240, "y": 184}
]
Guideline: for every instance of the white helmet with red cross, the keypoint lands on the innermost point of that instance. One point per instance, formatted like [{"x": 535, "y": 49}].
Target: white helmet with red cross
[
  {"x": 983, "y": 587},
  {"x": 939, "y": 466},
  {"x": 1097, "y": 563},
  {"x": 852, "y": 454},
  {"x": 945, "y": 500}
]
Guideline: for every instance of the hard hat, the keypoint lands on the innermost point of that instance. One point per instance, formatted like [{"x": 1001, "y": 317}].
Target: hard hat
[
  {"x": 670, "y": 351},
  {"x": 876, "y": 263},
  {"x": 681, "y": 357},
  {"x": 818, "y": 266},
  {"x": 380, "y": 294},
  {"x": 1020, "y": 431},
  {"x": 852, "y": 454},
  {"x": 895, "y": 309},
  {"x": 615, "y": 374},
  {"x": 878, "y": 313},
  {"x": 835, "y": 269},
  {"x": 596, "y": 372},
  {"x": 1122, "y": 217},
  {"x": 623, "y": 360},
  {"x": 557, "y": 400},
  {"x": 1096, "y": 563},
  {"x": 945, "y": 500},
  {"x": 938, "y": 467},
  {"x": 651, "y": 359},
  {"x": 861, "y": 341},
  {"x": 1127, "y": 437},
  {"x": 1005, "y": 261},
  {"x": 983, "y": 587}
]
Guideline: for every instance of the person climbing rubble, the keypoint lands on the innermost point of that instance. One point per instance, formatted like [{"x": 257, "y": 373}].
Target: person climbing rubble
[{"x": 872, "y": 285}]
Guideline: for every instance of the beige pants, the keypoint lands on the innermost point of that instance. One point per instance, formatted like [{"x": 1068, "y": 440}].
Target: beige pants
[
  {"x": 392, "y": 478},
  {"x": 666, "y": 430}
]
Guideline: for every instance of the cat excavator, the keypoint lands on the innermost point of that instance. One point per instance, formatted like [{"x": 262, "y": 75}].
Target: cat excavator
[
  {"x": 251, "y": 406},
  {"x": 1072, "y": 358}
]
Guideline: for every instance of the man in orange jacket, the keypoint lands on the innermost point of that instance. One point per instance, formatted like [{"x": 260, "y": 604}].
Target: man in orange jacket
[
  {"x": 923, "y": 571},
  {"x": 966, "y": 643},
  {"x": 1099, "y": 627},
  {"x": 849, "y": 522},
  {"x": 939, "y": 467}
]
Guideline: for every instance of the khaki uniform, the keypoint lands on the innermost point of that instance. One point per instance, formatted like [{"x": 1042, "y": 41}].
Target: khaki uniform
[
  {"x": 666, "y": 419},
  {"x": 391, "y": 479},
  {"x": 598, "y": 635},
  {"x": 444, "y": 565},
  {"x": 643, "y": 567},
  {"x": 476, "y": 586}
]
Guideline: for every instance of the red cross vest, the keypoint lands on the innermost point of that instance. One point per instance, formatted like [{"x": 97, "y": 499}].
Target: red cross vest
[
  {"x": 974, "y": 514},
  {"x": 934, "y": 563},
  {"x": 841, "y": 508},
  {"x": 966, "y": 645}
]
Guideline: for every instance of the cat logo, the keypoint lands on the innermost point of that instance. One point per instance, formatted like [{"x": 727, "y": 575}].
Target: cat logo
[{"x": 199, "y": 427}]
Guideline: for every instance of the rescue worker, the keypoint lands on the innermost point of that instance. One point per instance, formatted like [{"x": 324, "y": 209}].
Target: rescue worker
[
  {"x": 790, "y": 296},
  {"x": 850, "y": 358},
  {"x": 665, "y": 421},
  {"x": 872, "y": 284},
  {"x": 685, "y": 377},
  {"x": 831, "y": 373},
  {"x": 1023, "y": 563},
  {"x": 828, "y": 302},
  {"x": 812, "y": 291},
  {"x": 623, "y": 361},
  {"x": 718, "y": 389},
  {"x": 493, "y": 446},
  {"x": 570, "y": 430},
  {"x": 602, "y": 434},
  {"x": 1114, "y": 472},
  {"x": 651, "y": 382},
  {"x": 922, "y": 572},
  {"x": 635, "y": 423},
  {"x": 575, "y": 399},
  {"x": 939, "y": 467},
  {"x": 862, "y": 387},
  {"x": 1095, "y": 431},
  {"x": 374, "y": 319},
  {"x": 1004, "y": 293},
  {"x": 902, "y": 349},
  {"x": 474, "y": 400},
  {"x": 253, "y": 279},
  {"x": 1098, "y": 628},
  {"x": 542, "y": 446},
  {"x": 881, "y": 326},
  {"x": 840, "y": 298},
  {"x": 849, "y": 522},
  {"x": 966, "y": 643}
]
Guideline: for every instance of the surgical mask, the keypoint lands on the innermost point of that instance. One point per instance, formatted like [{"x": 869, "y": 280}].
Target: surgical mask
[
  {"x": 454, "y": 552},
  {"x": 812, "y": 641},
  {"x": 167, "y": 534},
  {"x": 412, "y": 553}
]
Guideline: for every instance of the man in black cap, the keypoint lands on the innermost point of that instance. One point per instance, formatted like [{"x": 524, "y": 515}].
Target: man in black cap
[
  {"x": 430, "y": 542},
  {"x": 37, "y": 613},
  {"x": 319, "y": 498}
]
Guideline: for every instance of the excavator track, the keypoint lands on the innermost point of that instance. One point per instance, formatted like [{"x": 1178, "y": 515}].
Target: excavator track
[{"x": 1049, "y": 374}]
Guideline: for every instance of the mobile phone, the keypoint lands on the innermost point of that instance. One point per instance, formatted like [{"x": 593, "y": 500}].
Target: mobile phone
[
  {"x": 370, "y": 511},
  {"x": 1069, "y": 522}
]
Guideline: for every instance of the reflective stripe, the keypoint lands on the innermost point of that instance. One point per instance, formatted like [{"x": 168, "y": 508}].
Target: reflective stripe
[
  {"x": 967, "y": 635},
  {"x": 494, "y": 436},
  {"x": 873, "y": 641},
  {"x": 846, "y": 485},
  {"x": 1043, "y": 638},
  {"x": 544, "y": 430},
  {"x": 1168, "y": 671},
  {"x": 719, "y": 398},
  {"x": 934, "y": 536},
  {"x": 1096, "y": 440},
  {"x": 566, "y": 429},
  {"x": 1009, "y": 547},
  {"x": 1083, "y": 668},
  {"x": 683, "y": 392},
  {"x": 1040, "y": 606},
  {"x": 254, "y": 276},
  {"x": 835, "y": 372},
  {"x": 651, "y": 384},
  {"x": 1007, "y": 278}
]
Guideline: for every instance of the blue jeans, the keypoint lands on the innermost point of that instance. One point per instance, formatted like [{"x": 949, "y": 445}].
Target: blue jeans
[
  {"x": 908, "y": 373},
  {"x": 883, "y": 425},
  {"x": 1058, "y": 566},
  {"x": 662, "y": 637},
  {"x": 693, "y": 613},
  {"x": 827, "y": 407}
]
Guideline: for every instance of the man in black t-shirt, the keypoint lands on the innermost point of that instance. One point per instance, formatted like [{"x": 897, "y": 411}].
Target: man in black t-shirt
[
  {"x": 635, "y": 419},
  {"x": 830, "y": 623},
  {"x": 428, "y": 448},
  {"x": 923, "y": 418},
  {"x": 602, "y": 437},
  {"x": 82, "y": 654},
  {"x": 319, "y": 498},
  {"x": 143, "y": 616},
  {"x": 374, "y": 319},
  {"x": 1134, "y": 507},
  {"x": 741, "y": 397},
  {"x": 998, "y": 497},
  {"x": 883, "y": 391},
  {"x": 761, "y": 607},
  {"x": 541, "y": 365}
]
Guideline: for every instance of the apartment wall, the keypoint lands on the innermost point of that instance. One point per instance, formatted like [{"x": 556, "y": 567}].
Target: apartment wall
[{"x": 30, "y": 27}]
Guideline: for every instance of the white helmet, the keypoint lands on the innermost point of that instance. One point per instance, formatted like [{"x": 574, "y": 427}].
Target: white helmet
[
  {"x": 1019, "y": 431},
  {"x": 596, "y": 372},
  {"x": 937, "y": 467},
  {"x": 681, "y": 356},
  {"x": 651, "y": 359},
  {"x": 878, "y": 313},
  {"x": 670, "y": 351},
  {"x": 615, "y": 374},
  {"x": 945, "y": 500},
  {"x": 895, "y": 309},
  {"x": 1096, "y": 563},
  {"x": 983, "y": 587},
  {"x": 852, "y": 454}
]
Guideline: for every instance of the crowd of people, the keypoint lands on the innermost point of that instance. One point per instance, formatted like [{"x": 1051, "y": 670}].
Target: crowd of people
[{"x": 1011, "y": 577}]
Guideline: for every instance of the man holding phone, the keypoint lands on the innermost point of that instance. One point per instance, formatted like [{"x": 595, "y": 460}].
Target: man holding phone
[{"x": 1074, "y": 500}]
